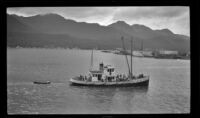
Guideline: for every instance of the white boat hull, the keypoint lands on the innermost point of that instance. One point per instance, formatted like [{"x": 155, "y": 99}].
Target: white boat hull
[{"x": 134, "y": 82}]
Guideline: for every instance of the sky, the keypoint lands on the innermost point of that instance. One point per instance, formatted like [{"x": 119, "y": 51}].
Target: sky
[{"x": 175, "y": 18}]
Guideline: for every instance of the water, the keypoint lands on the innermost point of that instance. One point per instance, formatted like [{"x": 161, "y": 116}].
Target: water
[{"x": 168, "y": 91}]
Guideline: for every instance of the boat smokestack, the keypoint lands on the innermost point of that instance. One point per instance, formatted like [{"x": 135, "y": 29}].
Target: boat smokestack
[{"x": 101, "y": 66}]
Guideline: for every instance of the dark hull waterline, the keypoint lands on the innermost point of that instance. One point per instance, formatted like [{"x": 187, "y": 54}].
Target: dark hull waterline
[
  {"x": 145, "y": 83},
  {"x": 41, "y": 82}
]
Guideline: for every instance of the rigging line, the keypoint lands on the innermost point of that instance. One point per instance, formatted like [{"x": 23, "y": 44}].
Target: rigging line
[
  {"x": 131, "y": 57},
  {"x": 125, "y": 54},
  {"x": 91, "y": 63}
]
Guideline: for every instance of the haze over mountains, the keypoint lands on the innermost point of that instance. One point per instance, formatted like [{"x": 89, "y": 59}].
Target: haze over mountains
[{"x": 53, "y": 30}]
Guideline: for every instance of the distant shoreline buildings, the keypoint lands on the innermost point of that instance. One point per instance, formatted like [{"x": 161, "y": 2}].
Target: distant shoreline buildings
[{"x": 165, "y": 54}]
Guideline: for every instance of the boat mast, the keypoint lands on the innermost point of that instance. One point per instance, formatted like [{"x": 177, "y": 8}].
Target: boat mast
[
  {"x": 91, "y": 63},
  {"x": 131, "y": 56},
  {"x": 142, "y": 47},
  {"x": 122, "y": 38}
]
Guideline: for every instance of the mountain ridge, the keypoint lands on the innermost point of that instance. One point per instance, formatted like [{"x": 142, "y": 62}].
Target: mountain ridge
[
  {"x": 119, "y": 21},
  {"x": 103, "y": 35}
]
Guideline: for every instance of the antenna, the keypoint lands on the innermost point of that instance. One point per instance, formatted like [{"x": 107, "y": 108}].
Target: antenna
[
  {"x": 142, "y": 47},
  {"x": 91, "y": 63}
]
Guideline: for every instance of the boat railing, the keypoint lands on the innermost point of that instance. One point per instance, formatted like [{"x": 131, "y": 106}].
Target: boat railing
[{"x": 117, "y": 78}]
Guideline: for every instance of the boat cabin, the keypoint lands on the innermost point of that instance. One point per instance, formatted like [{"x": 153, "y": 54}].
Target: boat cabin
[
  {"x": 96, "y": 75},
  {"x": 104, "y": 73}
]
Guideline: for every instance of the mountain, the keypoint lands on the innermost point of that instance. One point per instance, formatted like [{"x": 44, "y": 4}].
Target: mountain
[
  {"x": 183, "y": 36},
  {"x": 154, "y": 39},
  {"x": 14, "y": 25},
  {"x": 165, "y": 31},
  {"x": 121, "y": 25},
  {"x": 52, "y": 30}
]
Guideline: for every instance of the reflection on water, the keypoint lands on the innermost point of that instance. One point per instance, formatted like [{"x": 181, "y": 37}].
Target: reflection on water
[
  {"x": 108, "y": 97},
  {"x": 168, "y": 90}
]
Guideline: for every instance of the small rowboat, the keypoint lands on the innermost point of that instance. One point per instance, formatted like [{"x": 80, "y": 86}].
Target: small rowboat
[{"x": 41, "y": 82}]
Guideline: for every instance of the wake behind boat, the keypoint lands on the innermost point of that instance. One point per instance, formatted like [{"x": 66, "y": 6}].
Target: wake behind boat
[{"x": 106, "y": 76}]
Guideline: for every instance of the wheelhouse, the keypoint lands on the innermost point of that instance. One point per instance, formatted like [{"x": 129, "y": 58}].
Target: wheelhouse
[{"x": 96, "y": 75}]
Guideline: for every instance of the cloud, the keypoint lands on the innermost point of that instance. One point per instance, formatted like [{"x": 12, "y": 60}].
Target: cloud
[
  {"x": 101, "y": 15},
  {"x": 175, "y": 18},
  {"x": 150, "y": 12},
  {"x": 67, "y": 12}
]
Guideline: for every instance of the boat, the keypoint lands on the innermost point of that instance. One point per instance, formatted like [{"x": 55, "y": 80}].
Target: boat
[
  {"x": 106, "y": 51},
  {"x": 41, "y": 82},
  {"x": 106, "y": 76}
]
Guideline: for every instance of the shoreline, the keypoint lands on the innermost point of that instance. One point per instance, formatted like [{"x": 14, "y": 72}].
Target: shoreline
[{"x": 95, "y": 49}]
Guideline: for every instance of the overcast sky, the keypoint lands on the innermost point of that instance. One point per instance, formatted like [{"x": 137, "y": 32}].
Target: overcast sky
[{"x": 174, "y": 18}]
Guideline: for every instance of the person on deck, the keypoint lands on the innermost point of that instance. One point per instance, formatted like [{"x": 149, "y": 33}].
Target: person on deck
[{"x": 124, "y": 77}]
